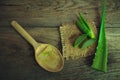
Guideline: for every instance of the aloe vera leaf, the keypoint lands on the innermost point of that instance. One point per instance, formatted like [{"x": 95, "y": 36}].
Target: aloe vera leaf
[
  {"x": 100, "y": 59},
  {"x": 89, "y": 31},
  {"x": 88, "y": 43},
  {"x": 84, "y": 21},
  {"x": 79, "y": 40},
  {"x": 82, "y": 27}
]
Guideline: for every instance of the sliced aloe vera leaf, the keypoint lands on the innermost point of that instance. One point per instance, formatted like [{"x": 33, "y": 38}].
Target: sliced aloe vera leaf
[
  {"x": 88, "y": 43},
  {"x": 84, "y": 26},
  {"x": 84, "y": 21},
  {"x": 79, "y": 40}
]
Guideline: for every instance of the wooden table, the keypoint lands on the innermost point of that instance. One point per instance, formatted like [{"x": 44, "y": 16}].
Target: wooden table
[{"x": 42, "y": 18}]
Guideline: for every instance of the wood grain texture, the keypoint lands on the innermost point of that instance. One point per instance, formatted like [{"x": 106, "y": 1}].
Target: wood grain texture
[
  {"x": 53, "y": 13},
  {"x": 42, "y": 18}
]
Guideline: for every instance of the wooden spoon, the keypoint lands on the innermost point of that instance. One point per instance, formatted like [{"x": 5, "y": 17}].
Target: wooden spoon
[{"x": 46, "y": 55}]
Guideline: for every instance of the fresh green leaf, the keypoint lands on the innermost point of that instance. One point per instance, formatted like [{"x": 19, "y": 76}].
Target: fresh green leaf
[
  {"x": 84, "y": 26},
  {"x": 86, "y": 29},
  {"x": 79, "y": 40},
  {"x": 88, "y": 43},
  {"x": 100, "y": 59},
  {"x": 84, "y": 21}
]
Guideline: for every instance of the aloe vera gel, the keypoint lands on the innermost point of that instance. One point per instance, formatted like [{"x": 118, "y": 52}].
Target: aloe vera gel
[{"x": 48, "y": 57}]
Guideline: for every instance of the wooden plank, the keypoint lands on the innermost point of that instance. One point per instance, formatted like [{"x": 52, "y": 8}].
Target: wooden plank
[
  {"x": 17, "y": 57},
  {"x": 48, "y": 35},
  {"x": 61, "y": 4},
  {"x": 53, "y": 13},
  {"x": 55, "y": 21},
  {"x": 35, "y": 22},
  {"x": 113, "y": 39}
]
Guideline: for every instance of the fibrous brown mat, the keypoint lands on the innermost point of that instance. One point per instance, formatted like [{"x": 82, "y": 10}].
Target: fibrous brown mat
[{"x": 69, "y": 32}]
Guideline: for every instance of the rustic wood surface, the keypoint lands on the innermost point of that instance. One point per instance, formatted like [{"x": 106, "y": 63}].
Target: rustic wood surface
[{"x": 42, "y": 18}]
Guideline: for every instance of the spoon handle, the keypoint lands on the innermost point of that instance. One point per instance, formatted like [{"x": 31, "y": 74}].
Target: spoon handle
[{"x": 19, "y": 28}]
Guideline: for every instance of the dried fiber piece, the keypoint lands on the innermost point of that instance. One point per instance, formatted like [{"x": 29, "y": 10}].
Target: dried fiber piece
[{"x": 69, "y": 32}]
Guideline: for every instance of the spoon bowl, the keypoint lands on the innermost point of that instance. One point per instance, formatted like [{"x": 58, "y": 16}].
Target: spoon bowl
[
  {"x": 49, "y": 57},
  {"x": 46, "y": 55}
]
